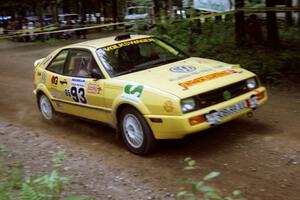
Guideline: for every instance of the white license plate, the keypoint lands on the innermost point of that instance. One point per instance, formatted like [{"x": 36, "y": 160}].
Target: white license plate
[{"x": 216, "y": 117}]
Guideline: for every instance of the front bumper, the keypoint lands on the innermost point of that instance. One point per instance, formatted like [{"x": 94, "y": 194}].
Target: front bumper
[{"x": 174, "y": 127}]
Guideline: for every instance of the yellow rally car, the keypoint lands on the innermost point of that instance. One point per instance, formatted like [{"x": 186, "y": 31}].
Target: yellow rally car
[{"x": 143, "y": 87}]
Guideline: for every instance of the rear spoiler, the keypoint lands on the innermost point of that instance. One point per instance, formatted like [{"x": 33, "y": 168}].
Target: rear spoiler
[{"x": 38, "y": 62}]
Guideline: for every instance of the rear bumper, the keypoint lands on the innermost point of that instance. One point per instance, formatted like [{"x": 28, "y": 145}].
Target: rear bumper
[{"x": 174, "y": 127}]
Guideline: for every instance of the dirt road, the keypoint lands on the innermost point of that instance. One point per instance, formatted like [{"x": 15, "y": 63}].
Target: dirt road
[{"x": 260, "y": 156}]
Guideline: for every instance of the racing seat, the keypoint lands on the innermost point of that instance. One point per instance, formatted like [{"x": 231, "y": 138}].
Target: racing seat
[
  {"x": 129, "y": 56},
  {"x": 76, "y": 64}
]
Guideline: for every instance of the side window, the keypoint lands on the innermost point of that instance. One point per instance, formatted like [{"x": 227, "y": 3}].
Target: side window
[
  {"x": 80, "y": 64},
  {"x": 57, "y": 64}
]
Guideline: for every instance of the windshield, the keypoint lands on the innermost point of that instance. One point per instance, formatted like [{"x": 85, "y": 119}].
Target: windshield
[{"x": 137, "y": 55}]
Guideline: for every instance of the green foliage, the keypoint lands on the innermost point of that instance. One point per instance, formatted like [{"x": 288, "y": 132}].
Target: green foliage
[
  {"x": 217, "y": 41},
  {"x": 15, "y": 186},
  {"x": 2, "y": 149},
  {"x": 59, "y": 158},
  {"x": 28, "y": 193},
  {"x": 199, "y": 190}
]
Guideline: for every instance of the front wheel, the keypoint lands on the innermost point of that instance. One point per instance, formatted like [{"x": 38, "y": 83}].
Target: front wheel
[
  {"x": 46, "y": 107},
  {"x": 136, "y": 132}
]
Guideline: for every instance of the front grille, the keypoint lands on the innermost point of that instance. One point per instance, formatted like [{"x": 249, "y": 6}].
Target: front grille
[{"x": 217, "y": 96}]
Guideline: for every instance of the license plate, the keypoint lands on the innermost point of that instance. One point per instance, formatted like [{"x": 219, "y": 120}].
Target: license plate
[{"x": 216, "y": 117}]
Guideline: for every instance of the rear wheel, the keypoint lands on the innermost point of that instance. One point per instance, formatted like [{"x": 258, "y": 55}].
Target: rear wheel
[
  {"x": 46, "y": 107},
  {"x": 136, "y": 132}
]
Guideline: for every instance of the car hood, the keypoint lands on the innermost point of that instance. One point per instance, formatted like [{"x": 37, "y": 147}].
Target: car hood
[{"x": 189, "y": 77}]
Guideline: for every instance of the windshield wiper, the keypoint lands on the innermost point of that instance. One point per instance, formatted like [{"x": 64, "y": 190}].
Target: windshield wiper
[
  {"x": 167, "y": 61},
  {"x": 150, "y": 65},
  {"x": 130, "y": 71}
]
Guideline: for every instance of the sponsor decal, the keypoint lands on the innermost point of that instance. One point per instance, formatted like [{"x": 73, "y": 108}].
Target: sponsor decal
[
  {"x": 133, "y": 92},
  {"x": 78, "y": 82},
  {"x": 128, "y": 43},
  {"x": 219, "y": 67},
  {"x": 94, "y": 88},
  {"x": 54, "y": 80},
  {"x": 77, "y": 91},
  {"x": 182, "y": 69},
  {"x": 63, "y": 82},
  {"x": 202, "y": 79},
  {"x": 189, "y": 75},
  {"x": 43, "y": 77},
  {"x": 168, "y": 106}
]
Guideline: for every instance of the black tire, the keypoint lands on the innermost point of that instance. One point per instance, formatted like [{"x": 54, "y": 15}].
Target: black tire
[
  {"x": 46, "y": 108},
  {"x": 141, "y": 129}
]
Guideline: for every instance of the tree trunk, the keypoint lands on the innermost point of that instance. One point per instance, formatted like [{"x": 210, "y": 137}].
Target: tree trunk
[
  {"x": 239, "y": 24},
  {"x": 288, "y": 15},
  {"x": 272, "y": 29},
  {"x": 156, "y": 9},
  {"x": 298, "y": 23},
  {"x": 115, "y": 12}
]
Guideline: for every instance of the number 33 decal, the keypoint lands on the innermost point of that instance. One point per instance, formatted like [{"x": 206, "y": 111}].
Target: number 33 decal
[{"x": 78, "y": 94}]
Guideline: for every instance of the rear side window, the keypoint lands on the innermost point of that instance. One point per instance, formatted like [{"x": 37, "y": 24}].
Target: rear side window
[{"x": 57, "y": 64}]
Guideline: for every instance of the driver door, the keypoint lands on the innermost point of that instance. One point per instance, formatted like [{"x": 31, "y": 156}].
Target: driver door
[{"x": 84, "y": 95}]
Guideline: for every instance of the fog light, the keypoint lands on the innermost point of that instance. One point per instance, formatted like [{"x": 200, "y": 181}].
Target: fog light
[{"x": 261, "y": 95}]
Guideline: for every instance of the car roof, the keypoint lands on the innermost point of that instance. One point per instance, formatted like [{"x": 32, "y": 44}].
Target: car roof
[{"x": 107, "y": 41}]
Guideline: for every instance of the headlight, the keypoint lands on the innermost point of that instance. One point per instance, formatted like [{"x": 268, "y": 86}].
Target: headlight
[
  {"x": 188, "y": 105},
  {"x": 251, "y": 83}
]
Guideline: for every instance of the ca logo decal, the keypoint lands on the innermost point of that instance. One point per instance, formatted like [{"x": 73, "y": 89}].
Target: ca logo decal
[{"x": 134, "y": 90}]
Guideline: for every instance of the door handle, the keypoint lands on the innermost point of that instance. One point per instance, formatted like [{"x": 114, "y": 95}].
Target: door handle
[{"x": 63, "y": 82}]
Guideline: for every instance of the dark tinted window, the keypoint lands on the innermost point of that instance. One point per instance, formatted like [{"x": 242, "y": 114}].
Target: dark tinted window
[{"x": 57, "y": 64}]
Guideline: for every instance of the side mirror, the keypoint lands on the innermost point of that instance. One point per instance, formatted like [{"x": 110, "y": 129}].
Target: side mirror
[{"x": 96, "y": 74}]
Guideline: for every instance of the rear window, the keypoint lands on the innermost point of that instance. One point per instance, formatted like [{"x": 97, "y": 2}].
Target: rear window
[{"x": 57, "y": 64}]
